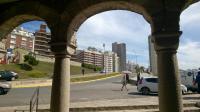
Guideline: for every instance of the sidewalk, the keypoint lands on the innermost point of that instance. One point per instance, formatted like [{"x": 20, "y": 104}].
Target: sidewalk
[{"x": 150, "y": 102}]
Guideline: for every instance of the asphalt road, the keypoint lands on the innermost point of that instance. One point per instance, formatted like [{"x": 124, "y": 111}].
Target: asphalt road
[{"x": 98, "y": 90}]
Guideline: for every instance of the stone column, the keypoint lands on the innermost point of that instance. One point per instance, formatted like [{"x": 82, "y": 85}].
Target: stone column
[
  {"x": 170, "y": 98},
  {"x": 60, "y": 95}
]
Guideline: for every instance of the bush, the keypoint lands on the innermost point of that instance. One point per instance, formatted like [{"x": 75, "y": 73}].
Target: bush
[
  {"x": 31, "y": 60},
  {"x": 26, "y": 67}
]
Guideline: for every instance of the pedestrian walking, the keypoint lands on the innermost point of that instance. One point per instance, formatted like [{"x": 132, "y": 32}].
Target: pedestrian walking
[
  {"x": 125, "y": 80},
  {"x": 197, "y": 81},
  {"x": 138, "y": 77},
  {"x": 83, "y": 71}
]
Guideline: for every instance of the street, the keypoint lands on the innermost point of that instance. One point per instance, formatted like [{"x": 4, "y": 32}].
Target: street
[{"x": 98, "y": 90}]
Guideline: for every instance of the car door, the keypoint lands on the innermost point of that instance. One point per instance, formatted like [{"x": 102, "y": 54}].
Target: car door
[
  {"x": 2, "y": 75},
  {"x": 153, "y": 84}
]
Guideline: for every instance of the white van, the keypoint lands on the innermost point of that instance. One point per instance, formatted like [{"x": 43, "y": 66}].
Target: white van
[{"x": 188, "y": 78}]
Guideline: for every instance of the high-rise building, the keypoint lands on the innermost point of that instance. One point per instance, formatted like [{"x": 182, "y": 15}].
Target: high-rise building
[
  {"x": 42, "y": 37},
  {"x": 20, "y": 38},
  {"x": 152, "y": 56},
  {"x": 120, "y": 49}
]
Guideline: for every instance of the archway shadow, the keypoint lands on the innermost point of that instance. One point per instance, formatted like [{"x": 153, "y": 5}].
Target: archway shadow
[{"x": 138, "y": 93}]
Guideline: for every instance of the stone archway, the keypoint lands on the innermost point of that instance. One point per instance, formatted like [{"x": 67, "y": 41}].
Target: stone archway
[
  {"x": 22, "y": 12},
  {"x": 10, "y": 24},
  {"x": 60, "y": 15},
  {"x": 82, "y": 16}
]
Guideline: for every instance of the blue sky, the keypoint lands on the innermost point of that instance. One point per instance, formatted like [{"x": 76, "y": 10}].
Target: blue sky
[{"x": 131, "y": 28}]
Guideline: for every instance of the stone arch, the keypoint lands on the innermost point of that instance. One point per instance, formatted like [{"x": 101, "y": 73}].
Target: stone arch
[
  {"x": 23, "y": 12},
  {"x": 101, "y": 7},
  {"x": 10, "y": 24}
]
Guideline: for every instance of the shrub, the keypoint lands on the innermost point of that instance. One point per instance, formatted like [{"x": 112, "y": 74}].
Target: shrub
[
  {"x": 26, "y": 67},
  {"x": 31, "y": 60}
]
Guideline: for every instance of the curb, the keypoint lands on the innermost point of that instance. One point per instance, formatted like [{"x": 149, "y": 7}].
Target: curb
[
  {"x": 44, "y": 83},
  {"x": 146, "y": 108},
  {"x": 128, "y": 107}
]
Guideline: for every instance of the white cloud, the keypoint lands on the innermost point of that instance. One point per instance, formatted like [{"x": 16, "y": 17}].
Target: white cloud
[
  {"x": 189, "y": 55},
  {"x": 191, "y": 15}
]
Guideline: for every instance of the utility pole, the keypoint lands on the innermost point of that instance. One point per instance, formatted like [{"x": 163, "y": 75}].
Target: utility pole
[{"x": 104, "y": 65}]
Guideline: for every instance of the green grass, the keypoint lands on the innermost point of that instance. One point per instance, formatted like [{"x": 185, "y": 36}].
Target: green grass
[
  {"x": 87, "y": 78},
  {"x": 42, "y": 70}
]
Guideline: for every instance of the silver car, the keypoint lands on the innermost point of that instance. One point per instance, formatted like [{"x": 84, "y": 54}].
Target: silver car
[{"x": 4, "y": 87}]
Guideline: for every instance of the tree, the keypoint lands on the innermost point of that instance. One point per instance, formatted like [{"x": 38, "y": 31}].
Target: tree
[
  {"x": 142, "y": 69},
  {"x": 92, "y": 48}
]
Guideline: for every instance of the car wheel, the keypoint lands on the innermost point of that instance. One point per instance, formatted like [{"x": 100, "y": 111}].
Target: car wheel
[
  {"x": 145, "y": 91},
  {"x": 13, "y": 78},
  {"x": 2, "y": 91},
  {"x": 183, "y": 93}
]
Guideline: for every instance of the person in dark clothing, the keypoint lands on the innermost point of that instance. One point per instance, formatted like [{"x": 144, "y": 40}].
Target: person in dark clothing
[
  {"x": 83, "y": 72},
  {"x": 138, "y": 77},
  {"x": 125, "y": 81},
  {"x": 198, "y": 80}
]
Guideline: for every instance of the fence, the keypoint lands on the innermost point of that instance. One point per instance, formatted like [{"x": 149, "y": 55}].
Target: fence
[{"x": 34, "y": 100}]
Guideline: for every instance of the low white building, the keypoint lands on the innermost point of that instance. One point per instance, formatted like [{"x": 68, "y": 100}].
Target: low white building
[
  {"x": 111, "y": 62},
  {"x": 116, "y": 63}
]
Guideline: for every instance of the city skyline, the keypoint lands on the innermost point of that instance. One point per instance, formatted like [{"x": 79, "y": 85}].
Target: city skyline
[{"x": 131, "y": 28}]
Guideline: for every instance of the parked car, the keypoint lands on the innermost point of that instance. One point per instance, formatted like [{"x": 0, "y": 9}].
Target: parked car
[
  {"x": 8, "y": 75},
  {"x": 147, "y": 85},
  {"x": 4, "y": 87}
]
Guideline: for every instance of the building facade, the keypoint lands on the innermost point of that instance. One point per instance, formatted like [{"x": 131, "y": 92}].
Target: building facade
[
  {"x": 20, "y": 38},
  {"x": 120, "y": 50},
  {"x": 90, "y": 57},
  {"x": 108, "y": 62},
  {"x": 42, "y": 38},
  {"x": 152, "y": 56},
  {"x": 115, "y": 62}
]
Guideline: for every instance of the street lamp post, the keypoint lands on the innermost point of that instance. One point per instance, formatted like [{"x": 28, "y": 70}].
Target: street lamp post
[
  {"x": 137, "y": 66},
  {"x": 135, "y": 57},
  {"x": 104, "y": 59}
]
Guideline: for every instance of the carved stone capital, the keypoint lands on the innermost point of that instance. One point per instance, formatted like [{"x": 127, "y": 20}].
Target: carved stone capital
[
  {"x": 166, "y": 41},
  {"x": 62, "y": 48}
]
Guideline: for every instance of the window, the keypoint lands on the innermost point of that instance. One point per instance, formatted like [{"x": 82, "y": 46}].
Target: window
[
  {"x": 153, "y": 80},
  {"x": 23, "y": 38},
  {"x": 13, "y": 36}
]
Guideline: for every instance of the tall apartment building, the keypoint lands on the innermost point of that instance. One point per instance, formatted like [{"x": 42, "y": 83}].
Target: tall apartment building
[
  {"x": 20, "y": 38},
  {"x": 152, "y": 56},
  {"x": 120, "y": 49},
  {"x": 42, "y": 37},
  {"x": 90, "y": 57}
]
